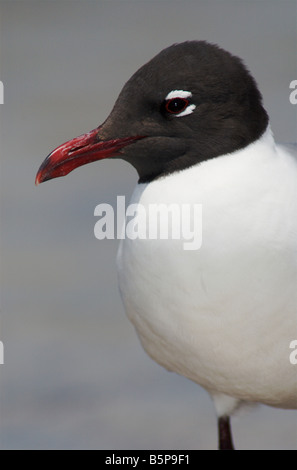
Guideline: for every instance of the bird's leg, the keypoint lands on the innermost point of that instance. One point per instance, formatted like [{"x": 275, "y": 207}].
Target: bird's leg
[{"x": 225, "y": 434}]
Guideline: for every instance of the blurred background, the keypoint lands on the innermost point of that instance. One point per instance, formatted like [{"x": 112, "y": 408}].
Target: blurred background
[{"x": 75, "y": 375}]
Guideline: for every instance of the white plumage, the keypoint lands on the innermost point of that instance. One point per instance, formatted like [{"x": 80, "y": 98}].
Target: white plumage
[{"x": 224, "y": 315}]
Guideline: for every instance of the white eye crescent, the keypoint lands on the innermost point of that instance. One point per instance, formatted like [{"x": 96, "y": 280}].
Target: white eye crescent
[
  {"x": 177, "y": 103},
  {"x": 178, "y": 94}
]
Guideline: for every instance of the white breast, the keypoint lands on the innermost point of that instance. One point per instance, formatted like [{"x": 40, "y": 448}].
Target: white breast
[{"x": 223, "y": 315}]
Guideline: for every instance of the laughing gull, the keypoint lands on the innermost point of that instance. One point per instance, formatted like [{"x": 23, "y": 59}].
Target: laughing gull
[{"x": 192, "y": 123}]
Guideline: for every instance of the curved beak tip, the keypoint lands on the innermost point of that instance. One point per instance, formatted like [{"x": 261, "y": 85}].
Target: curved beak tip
[{"x": 84, "y": 149}]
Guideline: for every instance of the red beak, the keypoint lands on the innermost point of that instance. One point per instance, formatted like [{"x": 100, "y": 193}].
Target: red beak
[{"x": 84, "y": 149}]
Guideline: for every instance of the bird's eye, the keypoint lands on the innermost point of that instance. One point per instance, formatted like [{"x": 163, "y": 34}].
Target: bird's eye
[{"x": 176, "y": 105}]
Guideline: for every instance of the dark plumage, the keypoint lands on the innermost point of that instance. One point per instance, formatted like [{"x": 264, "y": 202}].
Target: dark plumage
[{"x": 226, "y": 98}]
